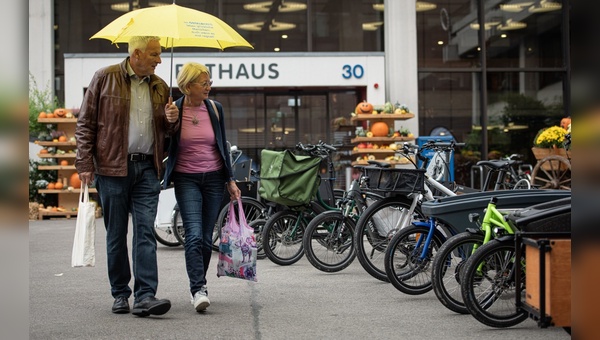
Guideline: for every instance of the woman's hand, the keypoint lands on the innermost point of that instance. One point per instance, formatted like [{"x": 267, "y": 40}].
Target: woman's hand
[
  {"x": 172, "y": 112},
  {"x": 234, "y": 191}
]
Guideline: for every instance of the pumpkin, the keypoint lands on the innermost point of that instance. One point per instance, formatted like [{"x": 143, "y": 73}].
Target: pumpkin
[
  {"x": 42, "y": 115},
  {"x": 60, "y": 112},
  {"x": 64, "y": 162},
  {"x": 565, "y": 122},
  {"x": 62, "y": 138},
  {"x": 58, "y": 185},
  {"x": 364, "y": 108},
  {"x": 50, "y": 185},
  {"x": 380, "y": 129},
  {"x": 74, "y": 181}
]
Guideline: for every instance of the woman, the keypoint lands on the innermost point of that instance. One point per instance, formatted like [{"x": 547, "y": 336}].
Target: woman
[{"x": 199, "y": 167}]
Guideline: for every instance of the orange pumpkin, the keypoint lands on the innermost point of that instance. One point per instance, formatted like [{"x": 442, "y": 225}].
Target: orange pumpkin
[
  {"x": 50, "y": 185},
  {"x": 74, "y": 181},
  {"x": 62, "y": 138},
  {"x": 364, "y": 108},
  {"x": 60, "y": 112},
  {"x": 564, "y": 123},
  {"x": 42, "y": 115},
  {"x": 64, "y": 162},
  {"x": 380, "y": 129},
  {"x": 58, "y": 185}
]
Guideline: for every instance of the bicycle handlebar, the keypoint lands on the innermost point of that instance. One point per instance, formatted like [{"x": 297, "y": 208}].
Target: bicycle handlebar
[{"x": 319, "y": 149}]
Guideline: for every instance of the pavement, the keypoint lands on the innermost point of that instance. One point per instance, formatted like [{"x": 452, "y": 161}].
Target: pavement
[{"x": 287, "y": 302}]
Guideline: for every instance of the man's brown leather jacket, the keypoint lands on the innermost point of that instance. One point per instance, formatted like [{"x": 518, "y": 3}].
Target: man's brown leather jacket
[{"x": 103, "y": 122}]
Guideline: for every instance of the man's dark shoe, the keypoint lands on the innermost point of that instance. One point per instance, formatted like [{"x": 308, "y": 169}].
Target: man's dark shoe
[
  {"x": 121, "y": 305},
  {"x": 151, "y": 306}
]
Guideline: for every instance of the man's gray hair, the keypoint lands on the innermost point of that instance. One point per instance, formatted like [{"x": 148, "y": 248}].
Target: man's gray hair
[{"x": 140, "y": 43}]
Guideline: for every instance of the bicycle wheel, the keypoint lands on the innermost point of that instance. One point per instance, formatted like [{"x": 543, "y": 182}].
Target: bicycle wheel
[
  {"x": 375, "y": 227},
  {"x": 165, "y": 235},
  {"x": 253, "y": 210},
  {"x": 447, "y": 266},
  {"x": 283, "y": 232},
  {"x": 258, "y": 226},
  {"x": 177, "y": 226},
  {"x": 522, "y": 184},
  {"x": 328, "y": 241},
  {"x": 408, "y": 259},
  {"x": 488, "y": 284}
]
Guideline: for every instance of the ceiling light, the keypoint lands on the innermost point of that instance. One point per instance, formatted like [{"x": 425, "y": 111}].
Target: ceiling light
[
  {"x": 515, "y": 8},
  {"x": 488, "y": 25},
  {"x": 273, "y": 26},
  {"x": 284, "y": 36},
  {"x": 440, "y": 42},
  {"x": 124, "y": 6},
  {"x": 510, "y": 25},
  {"x": 265, "y": 6},
  {"x": 423, "y": 6},
  {"x": 545, "y": 6},
  {"x": 371, "y": 26},
  {"x": 276, "y": 49},
  {"x": 420, "y": 6}
]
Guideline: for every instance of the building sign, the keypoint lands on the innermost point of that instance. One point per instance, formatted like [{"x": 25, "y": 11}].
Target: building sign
[{"x": 239, "y": 70}]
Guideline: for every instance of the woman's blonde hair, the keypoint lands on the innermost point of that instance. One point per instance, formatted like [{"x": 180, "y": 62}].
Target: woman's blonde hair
[{"x": 189, "y": 73}]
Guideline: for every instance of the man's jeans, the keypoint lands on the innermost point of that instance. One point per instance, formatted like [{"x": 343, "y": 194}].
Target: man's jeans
[
  {"x": 199, "y": 198},
  {"x": 119, "y": 196}
]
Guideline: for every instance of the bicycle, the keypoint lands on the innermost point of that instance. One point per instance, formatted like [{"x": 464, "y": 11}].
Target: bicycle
[
  {"x": 452, "y": 255},
  {"x": 510, "y": 173},
  {"x": 328, "y": 241},
  {"x": 283, "y": 231},
  {"x": 384, "y": 218},
  {"x": 494, "y": 277}
]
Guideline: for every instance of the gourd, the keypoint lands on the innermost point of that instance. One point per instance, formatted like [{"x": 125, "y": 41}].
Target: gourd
[
  {"x": 565, "y": 122},
  {"x": 364, "y": 108},
  {"x": 380, "y": 129},
  {"x": 74, "y": 181},
  {"x": 60, "y": 112}
]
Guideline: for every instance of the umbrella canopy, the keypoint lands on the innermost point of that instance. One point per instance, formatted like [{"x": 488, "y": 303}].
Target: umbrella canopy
[{"x": 177, "y": 26}]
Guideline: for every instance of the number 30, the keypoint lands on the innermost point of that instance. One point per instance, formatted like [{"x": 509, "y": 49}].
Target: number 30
[{"x": 355, "y": 71}]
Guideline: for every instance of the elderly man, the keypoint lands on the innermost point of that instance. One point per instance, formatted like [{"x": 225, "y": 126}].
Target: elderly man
[{"x": 120, "y": 135}]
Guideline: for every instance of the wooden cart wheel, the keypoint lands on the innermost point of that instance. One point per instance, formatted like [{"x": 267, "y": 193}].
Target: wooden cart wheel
[{"x": 552, "y": 172}]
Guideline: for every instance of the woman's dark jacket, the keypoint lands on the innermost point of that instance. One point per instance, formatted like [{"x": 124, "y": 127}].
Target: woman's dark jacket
[{"x": 216, "y": 119}]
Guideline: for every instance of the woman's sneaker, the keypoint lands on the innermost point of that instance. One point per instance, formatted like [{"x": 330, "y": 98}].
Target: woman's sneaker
[{"x": 200, "y": 299}]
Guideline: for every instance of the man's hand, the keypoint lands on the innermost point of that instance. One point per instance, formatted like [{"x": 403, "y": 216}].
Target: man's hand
[{"x": 87, "y": 178}]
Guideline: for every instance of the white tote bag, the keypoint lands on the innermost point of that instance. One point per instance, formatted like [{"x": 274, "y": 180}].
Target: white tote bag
[{"x": 84, "y": 254}]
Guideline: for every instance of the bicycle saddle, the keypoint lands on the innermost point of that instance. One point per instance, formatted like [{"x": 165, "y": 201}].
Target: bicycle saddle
[{"x": 497, "y": 163}]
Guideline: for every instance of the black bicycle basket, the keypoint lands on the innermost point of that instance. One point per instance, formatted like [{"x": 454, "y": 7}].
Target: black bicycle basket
[{"x": 395, "y": 180}]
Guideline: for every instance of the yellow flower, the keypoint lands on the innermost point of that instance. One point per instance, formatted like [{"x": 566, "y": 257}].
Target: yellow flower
[{"x": 553, "y": 136}]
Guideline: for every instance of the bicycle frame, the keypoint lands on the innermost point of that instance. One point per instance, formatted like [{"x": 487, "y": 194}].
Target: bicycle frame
[{"x": 493, "y": 222}]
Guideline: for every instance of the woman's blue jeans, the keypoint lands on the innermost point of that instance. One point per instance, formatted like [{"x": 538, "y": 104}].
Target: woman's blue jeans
[
  {"x": 136, "y": 194},
  {"x": 199, "y": 197}
]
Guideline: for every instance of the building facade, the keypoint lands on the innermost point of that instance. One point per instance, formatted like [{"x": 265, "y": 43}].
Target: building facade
[{"x": 491, "y": 73}]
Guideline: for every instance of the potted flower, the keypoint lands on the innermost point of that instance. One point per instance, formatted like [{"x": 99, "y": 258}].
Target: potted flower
[{"x": 549, "y": 141}]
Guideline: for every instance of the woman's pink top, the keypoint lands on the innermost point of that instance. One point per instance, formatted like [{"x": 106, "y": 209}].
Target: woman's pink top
[{"x": 198, "y": 151}]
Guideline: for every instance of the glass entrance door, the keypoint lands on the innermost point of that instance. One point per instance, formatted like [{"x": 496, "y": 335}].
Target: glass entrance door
[{"x": 293, "y": 118}]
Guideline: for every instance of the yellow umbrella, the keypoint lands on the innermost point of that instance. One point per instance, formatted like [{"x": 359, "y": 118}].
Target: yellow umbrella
[{"x": 177, "y": 26}]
